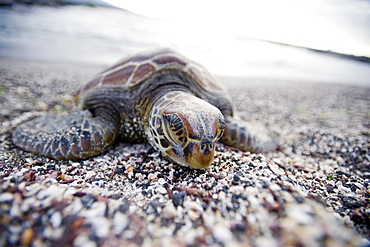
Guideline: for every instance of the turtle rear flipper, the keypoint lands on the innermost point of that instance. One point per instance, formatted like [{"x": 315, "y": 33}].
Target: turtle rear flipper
[
  {"x": 246, "y": 137},
  {"x": 75, "y": 136}
]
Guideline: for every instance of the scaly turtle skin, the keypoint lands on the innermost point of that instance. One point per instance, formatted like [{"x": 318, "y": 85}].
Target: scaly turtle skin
[{"x": 160, "y": 97}]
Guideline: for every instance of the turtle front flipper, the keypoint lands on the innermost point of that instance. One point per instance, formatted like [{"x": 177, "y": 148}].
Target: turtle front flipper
[
  {"x": 74, "y": 136},
  {"x": 246, "y": 137}
]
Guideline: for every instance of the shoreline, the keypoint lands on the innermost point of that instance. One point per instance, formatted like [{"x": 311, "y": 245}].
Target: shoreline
[
  {"x": 363, "y": 59},
  {"x": 313, "y": 192}
]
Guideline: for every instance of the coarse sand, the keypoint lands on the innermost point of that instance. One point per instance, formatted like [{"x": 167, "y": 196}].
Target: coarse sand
[{"x": 313, "y": 192}]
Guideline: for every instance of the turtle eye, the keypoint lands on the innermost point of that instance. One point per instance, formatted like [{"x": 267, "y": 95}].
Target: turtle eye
[
  {"x": 176, "y": 127},
  {"x": 221, "y": 127}
]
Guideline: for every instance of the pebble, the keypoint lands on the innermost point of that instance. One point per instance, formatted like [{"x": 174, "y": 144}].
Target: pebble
[
  {"x": 161, "y": 181},
  {"x": 275, "y": 169},
  {"x": 56, "y": 219},
  {"x": 340, "y": 160},
  {"x": 161, "y": 190},
  {"x": 15, "y": 212},
  {"x": 100, "y": 226},
  {"x": 97, "y": 209},
  {"x": 169, "y": 211},
  {"x": 222, "y": 234},
  {"x": 302, "y": 214},
  {"x": 193, "y": 215},
  {"x": 4, "y": 197},
  {"x": 27, "y": 236},
  {"x": 84, "y": 241},
  {"x": 178, "y": 198},
  {"x": 152, "y": 176},
  {"x": 120, "y": 222}
]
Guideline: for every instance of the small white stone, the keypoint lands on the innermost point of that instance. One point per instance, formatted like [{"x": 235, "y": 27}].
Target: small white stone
[
  {"x": 70, "y": 191},
  {"x": 133, "y": 208},
  {"x": 222, "y": 233},
  {"x": 100, "y": 226},
  {"x": 276, "y": 169},
  {"x": 76, "y": 164},
  {"x": 192, "y": 205},
  {"x": 120, "y": 222},
  {"x": 344, "y": 189},
  {"x": 153, "y": 176},
  {"x": 161, "y": 190},
  {"x": 89, "y": 174},
  {"x": 266, "y": 241},
  {"x": 5, "y": 197},
  {"x": 97, "y": 210},
  {"x": 358, "y": 185},
  {"x": 15, "y": 211},
  {"x": 52, "y": 191},
  {"x": 128, "y": 234},
  {"x": 169, "y": 211},
  {"x": 340, "y": 160},
  {"x": 56, "y": 219},
  {"x": 83, "y": 241},
  {"x": 161, "y": 181},
  {"x": 171, "y": 175},
  {"x": 75, "y": 206},
  {"x": 193, "y": 215},
  {"x": 236, "y": 189},
  {"x": 190, "y": 235},
  {"x": 301, "y": 213},
  {"x": 139, "y": 197}
]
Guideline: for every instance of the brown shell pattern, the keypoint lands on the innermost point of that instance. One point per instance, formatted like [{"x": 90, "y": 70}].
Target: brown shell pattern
[{"x": 135, "y": 70}]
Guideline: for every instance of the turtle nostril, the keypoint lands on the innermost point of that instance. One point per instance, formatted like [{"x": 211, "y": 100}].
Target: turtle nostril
[{"x": 206, "y": 146}]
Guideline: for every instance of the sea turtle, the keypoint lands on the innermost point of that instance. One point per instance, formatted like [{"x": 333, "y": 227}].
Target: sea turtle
[{"x": 160, "y": 97}]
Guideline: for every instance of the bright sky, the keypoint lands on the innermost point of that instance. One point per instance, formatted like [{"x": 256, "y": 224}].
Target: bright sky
[{"x": 337, "y": 25}]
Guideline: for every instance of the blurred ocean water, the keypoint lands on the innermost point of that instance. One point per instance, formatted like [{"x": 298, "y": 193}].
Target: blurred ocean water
[{"x": 104, "y": 35}]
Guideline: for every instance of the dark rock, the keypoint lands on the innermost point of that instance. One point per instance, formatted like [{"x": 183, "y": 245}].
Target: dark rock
[
  {"x": 87, "y": 200},
  {"x": 124, "y": 207},
  {"x": 178, "y": 198},
  {"x": 119, "y": 170}
]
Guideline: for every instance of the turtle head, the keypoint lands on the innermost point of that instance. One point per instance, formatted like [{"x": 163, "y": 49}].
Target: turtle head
[{"x": 186, "y": 132}]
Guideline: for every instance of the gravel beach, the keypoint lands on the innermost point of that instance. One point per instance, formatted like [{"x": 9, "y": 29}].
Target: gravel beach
[{"x": 315, "y": 191}]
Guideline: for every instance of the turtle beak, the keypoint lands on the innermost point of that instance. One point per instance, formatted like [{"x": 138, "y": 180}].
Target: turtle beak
[{"x": 199, "y": 155}]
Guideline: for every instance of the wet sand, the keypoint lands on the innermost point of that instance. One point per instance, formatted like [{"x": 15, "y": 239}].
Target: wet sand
[{"x": 315, "y": 191}]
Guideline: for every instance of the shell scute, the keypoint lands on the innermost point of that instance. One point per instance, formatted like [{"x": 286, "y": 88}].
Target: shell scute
[
  {"x": 142, "y": 71},
  {"x": 119, "y": 77},
  {"x": 64, "y": 146},
  {"x": 168, "y": 59}
]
